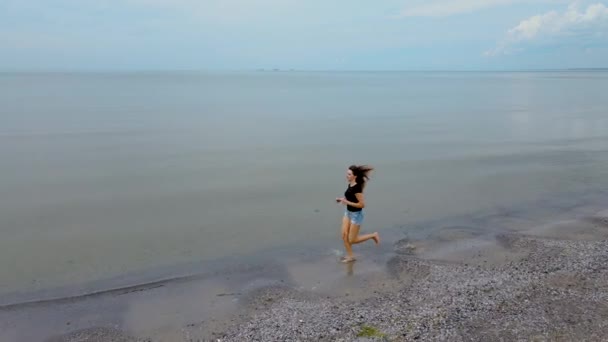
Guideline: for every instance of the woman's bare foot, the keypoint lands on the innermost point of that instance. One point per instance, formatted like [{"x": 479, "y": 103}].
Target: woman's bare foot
[
  {"x": 376, "y": 238},
  {"x": 347, "y": 259}
]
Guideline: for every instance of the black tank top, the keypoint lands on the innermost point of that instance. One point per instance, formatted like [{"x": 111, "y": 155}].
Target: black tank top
[{"x": 349, "y": 194}]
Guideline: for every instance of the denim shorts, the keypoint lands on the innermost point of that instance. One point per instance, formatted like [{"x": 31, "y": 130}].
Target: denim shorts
[{"x": 356, "y": 217}]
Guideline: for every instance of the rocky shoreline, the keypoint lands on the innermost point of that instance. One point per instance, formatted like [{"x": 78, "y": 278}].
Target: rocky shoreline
[{"x": 552, "y": 290}]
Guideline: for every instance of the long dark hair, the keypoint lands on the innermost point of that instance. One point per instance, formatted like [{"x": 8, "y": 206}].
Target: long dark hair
[{"x": 361, "y": 173}]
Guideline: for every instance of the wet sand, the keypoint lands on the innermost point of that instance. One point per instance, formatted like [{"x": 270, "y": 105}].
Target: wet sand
[{"x": 537, "y": 272}]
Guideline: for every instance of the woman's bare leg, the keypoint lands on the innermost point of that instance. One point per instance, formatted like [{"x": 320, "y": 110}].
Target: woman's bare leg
[
  {"x": 354, "y": 238},
  {"x": 346, "y": 226}
]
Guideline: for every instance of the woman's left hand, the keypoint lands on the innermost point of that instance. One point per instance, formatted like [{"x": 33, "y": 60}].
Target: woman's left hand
[{"x": 343, "y": 200}]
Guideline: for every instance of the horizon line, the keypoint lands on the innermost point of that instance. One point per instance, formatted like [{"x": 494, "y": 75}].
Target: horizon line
[{"x": 284, "y": 70}]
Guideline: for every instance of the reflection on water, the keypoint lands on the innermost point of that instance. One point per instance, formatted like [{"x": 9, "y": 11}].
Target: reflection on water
[{"x": 350, "y": 267}]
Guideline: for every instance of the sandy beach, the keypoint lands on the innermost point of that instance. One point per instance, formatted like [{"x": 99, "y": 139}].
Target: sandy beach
[{"x": 538, "y": 275}]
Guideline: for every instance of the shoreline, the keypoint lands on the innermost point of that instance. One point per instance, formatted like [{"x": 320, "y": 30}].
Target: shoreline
[
  {"x": 555, "y": 290},
  {"x": 548, "y": 283},
  {"x": 438, "y": 291},
  {"x": 447, "y": 229}
]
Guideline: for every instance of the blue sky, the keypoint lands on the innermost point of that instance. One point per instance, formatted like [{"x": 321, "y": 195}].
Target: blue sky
[{"x": 302, "y": 34}]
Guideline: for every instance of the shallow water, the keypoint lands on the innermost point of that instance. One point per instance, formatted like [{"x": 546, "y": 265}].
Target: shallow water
[
  {"x": 108, "y": 174},
  {"x": 219, "y": 294}
]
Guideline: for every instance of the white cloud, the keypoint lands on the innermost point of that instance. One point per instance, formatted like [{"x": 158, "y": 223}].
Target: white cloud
[{"x": 591, "y": 22}]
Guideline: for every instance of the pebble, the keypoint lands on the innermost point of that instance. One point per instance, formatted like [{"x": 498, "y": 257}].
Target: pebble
[{"x": 512, "y": 301}]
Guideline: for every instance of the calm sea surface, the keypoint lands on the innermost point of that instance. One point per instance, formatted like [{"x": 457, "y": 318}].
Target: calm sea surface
[{"x": 104, "y": 174}]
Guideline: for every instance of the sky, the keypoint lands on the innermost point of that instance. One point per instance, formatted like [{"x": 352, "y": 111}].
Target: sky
[{"x": 302, "y": 34}]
